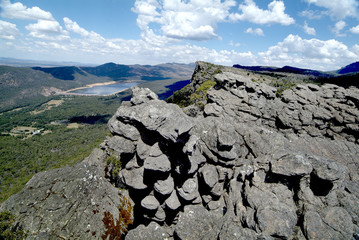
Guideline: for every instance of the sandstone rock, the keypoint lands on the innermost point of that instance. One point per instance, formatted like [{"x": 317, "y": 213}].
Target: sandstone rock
[
  {"x": 67, "y": 203},
  {"x": 209, "y": 175},
  {"x": 124, "y": 130},
  {"x": 133, "y": 178},
  {"x": 166, "y": 119},
  {"x": 172, "y": 202},
  {"x": 142, "y": 95},
  {"x": 150, "y": 203},
  {"x": 195, "y": 222},
  {"x": 327, "y": 169},
  {"x": 292, "y": 165},
  {"x": 121, "y": 145},
  {"x": 189, "y": 190},
  {"x": 160, "y": 163},
  {"x": 277, "y": 220},
  {"x": 164, "y": 187},
  {"x": 152, "y": 231}
]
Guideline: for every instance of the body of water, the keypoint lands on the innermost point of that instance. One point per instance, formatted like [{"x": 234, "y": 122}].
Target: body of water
[{"x": 103, "y": 90}]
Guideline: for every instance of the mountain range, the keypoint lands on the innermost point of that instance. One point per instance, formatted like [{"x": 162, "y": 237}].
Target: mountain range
[
  {"x": 351, "y": 68},
  {"x": 19, "y": 85}
]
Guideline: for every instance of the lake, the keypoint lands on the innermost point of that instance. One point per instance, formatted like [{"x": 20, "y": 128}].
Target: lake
[{"x": 103, "y": 90}]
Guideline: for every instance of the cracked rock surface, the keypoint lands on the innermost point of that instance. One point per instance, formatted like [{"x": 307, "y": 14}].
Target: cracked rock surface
[{"x": 250, "y": 166}]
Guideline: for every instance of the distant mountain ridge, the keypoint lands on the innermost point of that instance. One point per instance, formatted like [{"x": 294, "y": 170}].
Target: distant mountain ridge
[
  {"x": 19, "y": 84},
  {"x": 123, "y": 72},
  {"x": 351, "y": 68}
]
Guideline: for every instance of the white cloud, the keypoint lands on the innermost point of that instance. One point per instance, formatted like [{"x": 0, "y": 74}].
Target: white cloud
[
  {"x": 8, "y": 30},
  {"x": 75, "y": 28},
  {"x": 234, "y": 44},
  {"x": 308, "y": 53},
  {"x": 47, "y": 29},
  {"x": 252, "y": 13},
  {"x": 257, "y": 31},
  {"x": 309, "y": 30},
  {"x": 338, "y": 9},
  {"x": 193, "y": 19},
  {"x": 355, "y": 30},
  {"x": 19, "y": 11},
  {"x": 311, "y": 14},
  {"x": 339, "y": 26}
]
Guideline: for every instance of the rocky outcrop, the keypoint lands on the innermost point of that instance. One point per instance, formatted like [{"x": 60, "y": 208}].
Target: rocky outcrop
[
  {"x": 67, "y": 203},
  {"x": 250, "y": 166}
]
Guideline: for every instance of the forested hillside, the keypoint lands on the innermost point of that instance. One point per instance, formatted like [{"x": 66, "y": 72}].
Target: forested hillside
[{"x": 56, "y": 131}]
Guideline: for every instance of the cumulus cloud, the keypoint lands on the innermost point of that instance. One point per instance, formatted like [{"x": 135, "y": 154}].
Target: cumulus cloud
[
  {"x": 308, "y": 53},
  {"x": 252, "y": 13},
  {"x": 19, "y": 11},
  {"x": 338, "y": 9},
  {"x": 72, "y": 26},
  {"x": 8, "y": 31},
  {"x": 257, "y": 31},
  {"x": 309, "y": 30},
  {"x": 355, "y": 30},
  {"x": 47, "y": 29},
  {"x": 338, "y": 27},
  {"x": 193, "y": 19}
]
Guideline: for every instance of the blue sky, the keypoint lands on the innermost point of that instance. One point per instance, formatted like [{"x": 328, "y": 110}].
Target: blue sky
[{"x": 316, "y": 34}]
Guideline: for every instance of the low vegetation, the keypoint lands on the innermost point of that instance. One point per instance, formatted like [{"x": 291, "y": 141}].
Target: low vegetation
[
  {"x": 186, "y": 97},
  {"x": 7, "y": 229},
  {"x": 23, "y": 153},
  {"x": 283, "y": 85},
  {"x": 116, "y": 228}
]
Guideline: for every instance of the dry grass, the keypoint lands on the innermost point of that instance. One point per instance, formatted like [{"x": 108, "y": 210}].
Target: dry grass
[{"x": 47, "y": 106}]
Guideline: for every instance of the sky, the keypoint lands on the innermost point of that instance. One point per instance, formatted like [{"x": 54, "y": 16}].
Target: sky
[{"x": 315, "y": 34}]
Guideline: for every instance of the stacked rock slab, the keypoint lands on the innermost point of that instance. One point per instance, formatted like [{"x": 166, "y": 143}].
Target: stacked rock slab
[{"x": 248, "y": 167}]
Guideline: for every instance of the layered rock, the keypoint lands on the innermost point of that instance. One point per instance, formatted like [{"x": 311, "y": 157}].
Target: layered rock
[{"x": 250, "y": 166}]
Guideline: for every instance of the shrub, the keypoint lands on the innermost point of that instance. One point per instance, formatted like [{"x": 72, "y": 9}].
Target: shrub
[
  {"x": 115, "y": 229},
  {"x": 7, "y": 229},
  {"x": 282, "y": 86}
]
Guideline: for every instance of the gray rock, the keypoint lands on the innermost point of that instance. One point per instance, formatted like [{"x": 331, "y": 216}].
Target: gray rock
[
  {"x": 166, "y": 119},
  {"x": 315, "y": 228},
  {"x": 150, "y": 203},
  {"x": 152, "y": 231},
  {"x": 125, "y": 130},
  {"x": 69, "y": 203},
  {"x": 213, "y": 110},
  {"x": 233, "y": 230},
  {"x": 160, "y": 163},
  {"x": 277, "y": 220},
  {"x": 121, "y": 145},
  {"x": 209, "y": 175},
  {"x": 164, "y": 187},
  {"x": 142, "y": 95},
  {"x": 189, "y": 190},
  {"x": 133, "y": 178},
  {"x": 327, "y": 169},
  {"x": 172, "y": 202},
  {"x": 292, "y": 165},
  {"x": 195, "y": 222},
  {"x": 339, "y": 220}
]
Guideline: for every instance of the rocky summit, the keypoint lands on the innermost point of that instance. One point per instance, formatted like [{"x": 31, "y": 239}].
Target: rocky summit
[{"x": 249, "y": 164}]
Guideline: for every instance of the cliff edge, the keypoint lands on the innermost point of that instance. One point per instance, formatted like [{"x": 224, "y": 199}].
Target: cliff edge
[{"x": 248, "y": 164}]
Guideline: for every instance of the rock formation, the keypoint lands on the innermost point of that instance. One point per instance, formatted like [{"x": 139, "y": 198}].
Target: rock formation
[{"x": 252, "y": 165}]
